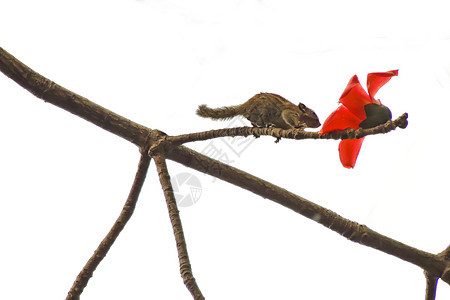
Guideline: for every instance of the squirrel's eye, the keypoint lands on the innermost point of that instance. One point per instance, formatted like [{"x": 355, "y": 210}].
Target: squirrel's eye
[{"x": 302, "y": 107}]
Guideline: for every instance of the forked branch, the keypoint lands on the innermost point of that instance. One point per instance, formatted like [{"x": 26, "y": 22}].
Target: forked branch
[
  {"x": 437, "y": 266},
  {"x": 432, "y": 280},
  {"x": 430, "y": 291}
]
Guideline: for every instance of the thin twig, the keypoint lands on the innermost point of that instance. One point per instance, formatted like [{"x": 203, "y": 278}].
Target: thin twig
[
  {"x": 185, "y": 265},
  {"x": 434, "y": 264},
  {"x": 296, "y": 134},
  {"x": 101, "y": 251}
]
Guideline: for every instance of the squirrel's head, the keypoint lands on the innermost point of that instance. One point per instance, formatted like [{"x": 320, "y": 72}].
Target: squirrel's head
[
  {"x": 303, "y": 117},
  {"x": 309, "y": 117}
]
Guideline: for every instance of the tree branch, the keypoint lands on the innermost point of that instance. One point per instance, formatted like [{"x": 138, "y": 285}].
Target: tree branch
[
  {"x": 296, "y": 134},
  {"x": 183, "y": 257},
  {"x": 47, "y": 90},
  {"x": 434, "y": 264},
  {"x": 101, "y": 251},
  {"x": 430, "y": 292},
  {"x": 446, "y": 256},
  {"x": 432, "y": 280}
]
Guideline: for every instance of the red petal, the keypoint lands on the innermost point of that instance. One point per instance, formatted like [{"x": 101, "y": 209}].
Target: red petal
[
  {"x": 348, "y": 151},
  {"x": 355, "y": 97},
  {"x": 376, "y": 80},
  {"x": 340, "y": 119}
]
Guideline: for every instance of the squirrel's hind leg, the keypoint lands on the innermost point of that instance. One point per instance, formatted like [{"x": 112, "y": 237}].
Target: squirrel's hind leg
[{"x": 255, "y": 125}]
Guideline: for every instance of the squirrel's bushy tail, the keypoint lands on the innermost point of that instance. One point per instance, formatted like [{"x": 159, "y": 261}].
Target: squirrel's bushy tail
[{"x": 221, "y": 113}]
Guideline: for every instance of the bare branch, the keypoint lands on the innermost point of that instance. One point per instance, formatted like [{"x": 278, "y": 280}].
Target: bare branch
[
  {"x": 183, "y": 257},
  {"x": 445, "y": 276},
  {"x": 432, "y": 280},
  {"x": 435, "y": 265},
  {"x": 55, "y": 94},
  {"x": 296, "y": 134},
  {"x": 430, "y": 292},
  {"x": 100, "y": 253},
  {"x": 355, "y": 232}
]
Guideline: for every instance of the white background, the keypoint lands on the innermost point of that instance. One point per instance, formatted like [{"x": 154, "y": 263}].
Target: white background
[{"x": 63, "y": 181}]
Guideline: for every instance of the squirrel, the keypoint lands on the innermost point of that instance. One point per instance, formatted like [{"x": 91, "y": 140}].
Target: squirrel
[{"x": 266, "y": 110}]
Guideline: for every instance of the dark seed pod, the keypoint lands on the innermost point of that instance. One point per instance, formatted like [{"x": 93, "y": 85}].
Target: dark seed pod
[{"x": 377, "y": 114}]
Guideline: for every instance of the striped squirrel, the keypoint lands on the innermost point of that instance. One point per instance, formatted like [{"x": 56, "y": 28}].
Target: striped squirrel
[{"x": 266, "y": 110}]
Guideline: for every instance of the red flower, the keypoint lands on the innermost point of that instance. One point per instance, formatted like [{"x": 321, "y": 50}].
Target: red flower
[{"x": 358, "y": 110}]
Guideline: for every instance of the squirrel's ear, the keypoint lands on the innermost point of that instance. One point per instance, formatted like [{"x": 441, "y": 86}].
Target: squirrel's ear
[{"x": 302, "y": 107}]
